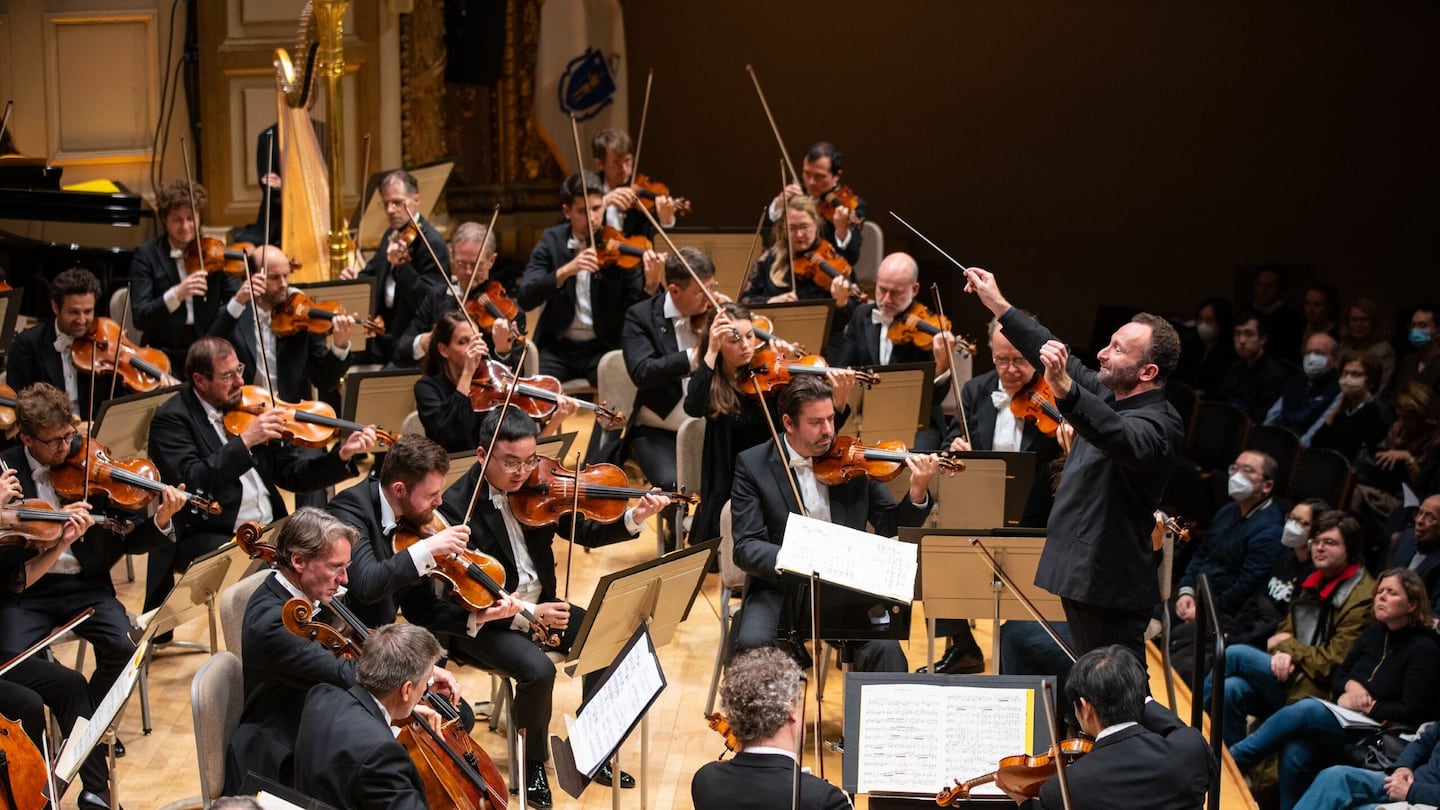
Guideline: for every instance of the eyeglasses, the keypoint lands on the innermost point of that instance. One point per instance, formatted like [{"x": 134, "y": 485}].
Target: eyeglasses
[
  {"x": 225, "y": 376},
  {"x": 514, "y": 465},
  {"x": 59, "y": 442},
  {"x": 1247, "y": 469},
  {"x": 1318, "y": 542},
  {"x": 1008, "y": 362}
]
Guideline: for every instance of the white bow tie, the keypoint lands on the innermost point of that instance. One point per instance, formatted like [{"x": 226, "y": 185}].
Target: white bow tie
[
  {"x": 500, "y": 500},
  {"x": 575, "y": 244},
  {"x": 876, "y": 316},
  {"x": 798, "y": 463},
  {"x": 1001, "y": 399},
  {"x": 63, "y": 343},
  {"x": 176, "y": 253},
  {"x": 217, "y": 418}
]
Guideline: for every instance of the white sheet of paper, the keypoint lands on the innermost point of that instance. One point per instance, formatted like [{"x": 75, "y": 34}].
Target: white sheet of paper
[
  {"x": 1349, "y": 718},
  {"x": 269, "y": 801},
  {"x": 916, "y": 738},
  {"x": 613, "y": 709},
  {"x": 882, "y": 566},
  {"x": 87, "y": 731}
]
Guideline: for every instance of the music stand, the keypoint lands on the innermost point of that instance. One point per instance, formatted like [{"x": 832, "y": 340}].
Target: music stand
[
  {"x": 976, "y": 497},
  {"x": 898, "y": 405},
  {"x": 959, "y": 583},
  {"x": 806, "y": 323},
  {"x": 9, "y": 310},
  {"x": 656, "y": 594},
  {"x": 431, "y": 179},
  {"x": 271, "y": 795},
  {"x": 123, "y": 424},
  {"x": 1020, "y": 471},
  {"x": 355, "y": 295},
  {"x": 380, "y": 397}
]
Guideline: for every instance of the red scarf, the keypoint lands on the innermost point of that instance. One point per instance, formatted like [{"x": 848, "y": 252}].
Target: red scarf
[{"x": 1313, "y": 581}]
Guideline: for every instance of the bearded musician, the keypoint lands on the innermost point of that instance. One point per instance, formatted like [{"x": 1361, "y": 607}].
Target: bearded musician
[{"x": 820, "y": 172}]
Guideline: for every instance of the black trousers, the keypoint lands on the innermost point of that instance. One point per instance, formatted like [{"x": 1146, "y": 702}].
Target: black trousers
[
  {"x": 759, "y": 621},
  {"x": 55, "y": 599},
  {"x": 515, "y": 654},
  {"x": 571, "y": 359},
  {"x": 36, "y": 683},
  {"x": 1094, "y": 627}
]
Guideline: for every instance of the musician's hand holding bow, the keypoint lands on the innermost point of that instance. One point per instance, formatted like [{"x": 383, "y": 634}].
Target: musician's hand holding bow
[
  {"x": 922, "y": 469},
  {"x": 253, "y": 288},
  {"x": 961, "y": 444},
  {"x": 943, "y": 348},
  {"x": 191, "y": 286},
  {"x": 263, "y": 428},
  {"x": 10, "y": 489},
  {"x": 451, "y": 540},
  {"x": 622, "y": 197},
  {"x": 1054, "y": 355},
  {"x": 584, "y": 260},
  {"x": 791, "y": 190}
]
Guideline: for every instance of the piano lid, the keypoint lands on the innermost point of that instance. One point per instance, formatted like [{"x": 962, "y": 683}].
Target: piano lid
[{"x": 30, "y": 190}]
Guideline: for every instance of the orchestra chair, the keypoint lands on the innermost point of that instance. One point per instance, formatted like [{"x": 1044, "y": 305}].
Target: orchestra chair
[
  {"x": 1218, "y": 434},
  {"x": 689, "y": 450},
  {"x": 872, "y": 250},
  {"x": 120, "y": 310},
  {"x": 732, "y": 582},
  {"x": 217, "y": 696},
  {"x": 614, "y": 386},
  {"x": 1184, "y": 399},
  {"x": 411, "y": 425},
  {"x": 232, "y": 608},
  {"x": 1324, "y": 474},
  {"x": 1281, "y": 444}
]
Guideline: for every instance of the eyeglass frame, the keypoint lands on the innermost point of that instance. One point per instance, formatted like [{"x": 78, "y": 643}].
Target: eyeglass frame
[
  {"x": 238, "y": 373},
  {"x": 512, "y": 466}
]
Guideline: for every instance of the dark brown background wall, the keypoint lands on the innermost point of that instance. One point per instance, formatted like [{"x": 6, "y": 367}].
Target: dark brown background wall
[{"x": 1089, "y": 152}]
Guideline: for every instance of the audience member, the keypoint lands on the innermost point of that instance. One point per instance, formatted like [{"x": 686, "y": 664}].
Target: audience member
[
  {"x": 1209, "y": 348},
  {"x": 1415, "y": 782},
  {"x": 1321, "y": 310},
  {"x": 1357, "y": 418},
  {"x": 1418, "y": 548},
  {"x": 1252, "y": 382},
  {"x": 1286, "y": 325},
  {"x": 1259, "y": 617},
  {"x": 1307, "y": 394},
  {"x": 1406, "y": 457},
  {"x": 1420, "y": 365},
  {"x": 1364, "y": 331}
]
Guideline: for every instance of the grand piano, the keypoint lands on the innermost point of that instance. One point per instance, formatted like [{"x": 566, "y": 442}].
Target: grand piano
[{"x": 30, "y": 194}]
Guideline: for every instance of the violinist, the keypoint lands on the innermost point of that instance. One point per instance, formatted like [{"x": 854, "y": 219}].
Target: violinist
[
  {"x": 442, "y": 394},
  {"x": 346, "y": 754},
  {"x": 404, "y": 271},
  {"x": 764, "y": 699},
  {"x": 868, "y": 343},
  {"x": 190, "y": 445},
  {"x": 1143, "y": 756},
  {"x": 312, "y": 551},
  {"x": 774, "y": 280},
  {"x": 584, "y": 303},
  {"x": 172, "y": 306},
  {"x": 820, "y": 172},
  {"x": 662, "y": 350},
  {"x": 614, "y": 155},
  {"x": 529, "y": 560},
  {"x": 42, "y": 352},
  {"x": 472, "y": 257},
  {"x": 76, "y": 574},
  {"x": 1098, "y": 554},
  {"x": 762, "y": 501}
]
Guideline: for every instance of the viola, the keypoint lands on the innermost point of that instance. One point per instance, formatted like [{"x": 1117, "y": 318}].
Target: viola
[
  {"x": 1021, "y": 773},
  {"x": 128, "y": 483},
  {"x": 39, "y": 526},
  {"x": 308, "y": 423},
  {"x": 106, "y": 350},
  {"x": 647, "y": 190},
  {"x": 207, "y": 255},
  {"x": 769, "y": 372},
  {"x": 917, "y": 326},
  {"x": 301, "y": 313},
  {"x": 491, "y": 305},
  {"x": 537, "y": 396},
  {"x": 848, "y": 459},
  {"x": 24, "y": 773},
  {"x": 822, "y": 265},
  {"x": 625, "y": 252},
  {"x": 838, "y": 196},
  {"x": 1035, "y": 404},
  {"x": 551, "y": 490},
  {"x": 473, "y": 576},
  {"x": 721, "y": 726},
  {"x": 456, "y": 771},
  {"x": 7, "y": 407}
]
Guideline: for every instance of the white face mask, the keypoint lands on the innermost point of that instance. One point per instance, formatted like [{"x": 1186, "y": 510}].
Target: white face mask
[
  {"x": 1293, "y": 535},
  {"x": 1314, "y": 364},
  {"x": 1240, "y": 486},
  {"x": 1352, "y": 385},
  {"x": 1206, "y": 330}
]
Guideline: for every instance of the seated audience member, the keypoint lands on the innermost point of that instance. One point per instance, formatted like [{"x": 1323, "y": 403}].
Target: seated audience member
[
  {"x": 1413, "y": 785},
  {"x": 1237, "y": 553},
  {"x": 1421, "y": 365},
  {"x": 763, "y": 696},
  {"x": 1364, "y": 331},
  {"x": 1357, "y": 418},
  {"x": 1307, "y": 394},
  {"x": 1254, "y": 379},
  {"x": 1407, "y": 457},
  {"x": 1209, "y": 348},
  {"x": 1260, "y": 616},
  {"x": 1321, "y": 309},
  {"x": 1390, "y": 675},
  {"x": 1268, "y": 300},
  {"x": 1323, "y": 623},
  {"x": 1419, "y": 546},
  {"x": 1144, "y": 756}
]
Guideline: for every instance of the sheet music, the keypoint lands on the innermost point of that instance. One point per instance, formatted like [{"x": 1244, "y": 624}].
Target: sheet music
[
  {"x": 918, "y": 739},
  {"x": 865, "y": 562},
  {"x": 610, "y": 713},
  {"x": 269, "y": 801},
  {"x": 87, "y": 731}
]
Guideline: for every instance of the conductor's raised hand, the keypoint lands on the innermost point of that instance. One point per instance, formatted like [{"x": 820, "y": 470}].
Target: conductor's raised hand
[
  {"x": 1054, "y": 356},
  {"x": 982, "y": 282}
]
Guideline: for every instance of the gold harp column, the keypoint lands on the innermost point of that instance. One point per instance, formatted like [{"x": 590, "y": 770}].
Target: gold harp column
[{"x": 329, "y": 20}]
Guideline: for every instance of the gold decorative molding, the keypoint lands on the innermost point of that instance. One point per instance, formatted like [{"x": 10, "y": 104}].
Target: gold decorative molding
[
  {"x": 422, "y": 83},
  {"x": 524, "y": 156}
]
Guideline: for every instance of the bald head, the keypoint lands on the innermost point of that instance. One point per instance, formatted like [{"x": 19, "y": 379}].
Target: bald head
[
  {"x": 896, "y": 282},
  {"x": 277, "y": 268}
]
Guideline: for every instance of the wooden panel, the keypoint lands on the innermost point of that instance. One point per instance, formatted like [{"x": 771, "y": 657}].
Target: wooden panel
[{"x": 99, "y": 114}]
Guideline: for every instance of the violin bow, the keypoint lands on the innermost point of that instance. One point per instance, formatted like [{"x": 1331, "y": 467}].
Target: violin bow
[
  {"x": 954, "y": 378},
  {"x": 675, "y": 250},
  {"x": 640, "y": 137},
  {"x": 1050, "y": 711},
  {"x": 494, "y": 437},
  {"x": 584, "y": 186},
  {"x": 779, "y": 447},
  {"x": 194, "y": 209},
  {"x": 785, "y": 232},
  {"x": 489, "y": 237},
  {"x": 124, "y": 318},
  {"x": 444, "y": 275},
  {"x": 574, "y": 522},
  {"x": 784, "y": 153},
  {"x": 10, "y": 105},
  {"x": 89, "y": 423},
  {"x": 750, "y": 258},
  {"x": 264, "y": 361}
]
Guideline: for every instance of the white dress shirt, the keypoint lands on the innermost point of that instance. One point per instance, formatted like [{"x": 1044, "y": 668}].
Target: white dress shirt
[
  {"x": 254, "y": 497},
  {"x": 815, "y": 494},
  {"x": 887, "y": 348},
  {"x": 172, "y": 301},
  {"x": 63, "y": 342},
  {"x": 582, "y": 327}
]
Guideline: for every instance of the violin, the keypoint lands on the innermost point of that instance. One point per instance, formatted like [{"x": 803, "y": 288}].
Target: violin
[
  {"x": 491, "y": 305},
  {"x": 128, "y": 483},
  {"x": 309, "y": 423},
  {"x": 405, "y": 235},
  {"x": 140, "y": 367},
  {"x": 473, "y": 576},
  {"x": 1021, "y": 773},
  {"x": 1165, "y": 524},
  {"x": 456, "y": 771},
  {"x": 537, "y": 396},
  {"x": 822, "y": 264},
  {"x": 625, "y": 252},
  {"x": 918, "y": 327},
  {"x": 301, "y": 313},
  {"x": 848, "y": 459},
  {"x": 721, "y": 726},
  {"x": 7, "y": 407},
  {"x": 647, "y": 190},
  {"x": 550, "y": 493},
  {"x": 769, "y": 372},
  {"x": 765, "y": 331},
  {"x": 39, "y": 526},
  {"x": 24, "y": 773},
  {"x": 1035, "y": 404},
  {"x": 839, "y": 196},
  {"x": 207, "y": 255}
]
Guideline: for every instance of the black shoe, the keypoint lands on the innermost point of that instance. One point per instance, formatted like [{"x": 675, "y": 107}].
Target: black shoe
[
  {"x": 537, "y": 786},
  {"x": 89, "y": 800},
  {"x": 606, "y": 777},
  {"x": 119, "y": 748},
  {"x": 956, "y": 662},
  {"x": 162, "y": 639}
]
